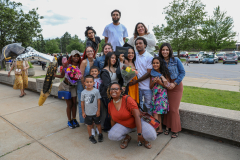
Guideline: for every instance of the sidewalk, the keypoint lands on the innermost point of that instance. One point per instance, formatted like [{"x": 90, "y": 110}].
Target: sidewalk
[
  {"x": 212, "y": 84},
  {"x": 31, "y": 132}
]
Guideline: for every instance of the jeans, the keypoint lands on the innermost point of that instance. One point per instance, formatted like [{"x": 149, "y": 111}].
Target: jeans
[
  {"x": 107, "y": 121},
  {"x": 147, "y": 94},
  {"x": 79, "y": 91}
]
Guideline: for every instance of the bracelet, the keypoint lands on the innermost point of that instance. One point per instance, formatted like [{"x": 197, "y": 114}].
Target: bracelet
[{"x": 175, "y": 83}]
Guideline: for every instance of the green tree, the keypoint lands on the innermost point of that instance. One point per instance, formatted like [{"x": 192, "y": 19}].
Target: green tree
[
  {"x": 39, "y": 44},
  {"x": 217, "y": 31},
  {"x": 75, "y": 44},
  {"x": 183, "y": 19},
  {"x": 65, "y": 40},
  {"x": 17, "y": 26},
  {"x": 101, "y": 45},
  {"x": 52, "y": 46}
]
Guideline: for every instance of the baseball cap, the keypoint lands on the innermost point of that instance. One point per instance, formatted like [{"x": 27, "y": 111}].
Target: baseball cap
[{"x": 75, "y": 52}]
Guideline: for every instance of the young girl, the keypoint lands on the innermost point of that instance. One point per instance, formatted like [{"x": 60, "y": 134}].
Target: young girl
[
  {"x": 159, "y": 102},
  {"x": 74, "y": 60}
]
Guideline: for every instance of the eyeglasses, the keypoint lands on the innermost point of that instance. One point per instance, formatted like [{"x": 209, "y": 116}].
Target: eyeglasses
[
  {"x": 114, "y": 89},
  {"x": 89, "y": 51}
]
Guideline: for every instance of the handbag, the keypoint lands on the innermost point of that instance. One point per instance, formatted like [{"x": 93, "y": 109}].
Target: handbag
[
  {"x": 64, "y": 95},
  {"x": 147, "y": 117}
]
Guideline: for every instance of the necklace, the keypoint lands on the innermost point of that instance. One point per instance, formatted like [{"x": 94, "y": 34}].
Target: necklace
[{"x": 117, "y": 100}]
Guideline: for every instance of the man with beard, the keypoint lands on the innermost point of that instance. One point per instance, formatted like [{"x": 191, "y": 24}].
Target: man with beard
[
  {"x": 143, "y": 65},
  {"x": 115, "y": 33},
  {"x": 92, "y": 40}
]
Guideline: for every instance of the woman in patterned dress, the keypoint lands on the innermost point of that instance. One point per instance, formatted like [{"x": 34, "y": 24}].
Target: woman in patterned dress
[
  {"x": 21, "y": 76},
  {"x": 159, "y": 102}
]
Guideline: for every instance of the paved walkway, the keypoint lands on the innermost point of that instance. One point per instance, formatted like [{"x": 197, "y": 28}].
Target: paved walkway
[{"x": 31, "y": 132}]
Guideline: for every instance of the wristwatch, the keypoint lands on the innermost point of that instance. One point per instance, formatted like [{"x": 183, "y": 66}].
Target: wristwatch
[{"x": 139, "y": 134}]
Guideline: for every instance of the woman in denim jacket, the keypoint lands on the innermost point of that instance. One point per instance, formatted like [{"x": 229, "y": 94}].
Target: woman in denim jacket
[
  {"x": 99, "y": 62},
  {"x": 175, "y": 89}
]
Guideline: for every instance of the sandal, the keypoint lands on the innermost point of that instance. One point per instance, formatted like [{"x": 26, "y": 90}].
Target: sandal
[
  {"x": 175, "y": 135},
  {"x": 21, "y": 96},
  {"x": 123, "y": 145},
  {"x": 158, "y": 133},
  {"x": 147, "y": 145},
  {"x": 166, "y": 132}
]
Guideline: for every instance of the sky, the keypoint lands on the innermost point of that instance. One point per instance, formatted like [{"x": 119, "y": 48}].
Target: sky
[{"x": 74, "y": 16}]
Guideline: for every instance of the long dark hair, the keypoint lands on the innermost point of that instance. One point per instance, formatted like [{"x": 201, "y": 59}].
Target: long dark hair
[
  {"x": 108, "y": 60},
  {"x": 107, "y": 44},
  {"x": 135, "y": 30},
  {"x": 134, "y": 59},
  {"x": 170, "y": 50},
  {"x": 163, "y": 68}
]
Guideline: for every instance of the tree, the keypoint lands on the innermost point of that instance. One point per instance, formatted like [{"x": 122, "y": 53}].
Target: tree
[
  {"x": 17, "y": 26},
  {"x": 52, "y": 46},
  {"x": 101, "y": 45},
  {"x": 217, "y": 31},
  {"x": 39, "y": 44},
  {"x": 65, "y": 40},
  {"x": 75, "y": 44},
  {"x": 183, "y": 20}
]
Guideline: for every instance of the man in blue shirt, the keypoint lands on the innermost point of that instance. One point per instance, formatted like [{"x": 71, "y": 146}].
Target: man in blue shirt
[{"x": 115, "y": 33}]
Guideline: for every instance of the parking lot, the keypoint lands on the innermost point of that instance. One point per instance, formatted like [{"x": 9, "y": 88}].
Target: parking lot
[{"x": 218, "y": 71}]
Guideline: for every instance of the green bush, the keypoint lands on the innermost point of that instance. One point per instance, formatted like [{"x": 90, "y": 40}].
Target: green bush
[{"x": 30, "y": 64}]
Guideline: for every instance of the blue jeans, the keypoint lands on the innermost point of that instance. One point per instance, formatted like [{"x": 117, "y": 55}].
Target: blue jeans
[
  {"x": 79, "y": 91},
  {"x": 147, "y": 94}
]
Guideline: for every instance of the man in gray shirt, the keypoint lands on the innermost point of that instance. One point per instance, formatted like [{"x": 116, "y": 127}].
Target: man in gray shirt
[{"x": 90, "y": 102}]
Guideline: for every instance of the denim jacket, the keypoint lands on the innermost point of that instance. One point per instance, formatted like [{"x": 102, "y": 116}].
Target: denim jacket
[
  {"x": 99, "y": 62},
  {"x": 175, "y": 68}
]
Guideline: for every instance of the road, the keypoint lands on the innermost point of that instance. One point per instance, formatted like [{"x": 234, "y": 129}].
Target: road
[{"x": 218, "y": 71}]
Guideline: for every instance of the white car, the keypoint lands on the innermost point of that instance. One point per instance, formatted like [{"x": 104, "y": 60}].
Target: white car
[{"x": 195, "y": 58}]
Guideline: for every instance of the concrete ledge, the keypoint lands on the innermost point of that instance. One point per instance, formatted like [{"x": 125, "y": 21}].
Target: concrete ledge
[
  {"x": 5, "y": 79},
  {"x": 54, "y": 90},
  {"x": 32, "y": 84},
  {"x": 218, "y": 122},
  {"x": 40, "y": 81}
]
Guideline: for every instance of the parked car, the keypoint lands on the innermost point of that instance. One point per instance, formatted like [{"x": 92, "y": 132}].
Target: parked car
[
  {"x": 33, "y": 61},
  {"x": 238, "y": 54},
  {"x": 195, "y": 58},
  {"x": 211, "y": 58},
  {"x": 175, "y": 54},
  {"x": 230, "y": 58},
  {"x": 183, "y": 54},
  {"x": 221, "y": 55}
]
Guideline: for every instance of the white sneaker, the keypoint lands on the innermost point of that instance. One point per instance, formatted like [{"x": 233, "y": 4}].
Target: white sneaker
[
  {"x": 93, "y": 132},
  {"x": 97, "y": 130}
]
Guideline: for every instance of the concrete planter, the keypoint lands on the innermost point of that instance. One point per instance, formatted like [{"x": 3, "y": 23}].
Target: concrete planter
[{"x": 31, "y": 72}]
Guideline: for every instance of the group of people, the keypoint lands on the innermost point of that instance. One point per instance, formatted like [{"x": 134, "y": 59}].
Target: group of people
[{"x": 104, "y": 102}]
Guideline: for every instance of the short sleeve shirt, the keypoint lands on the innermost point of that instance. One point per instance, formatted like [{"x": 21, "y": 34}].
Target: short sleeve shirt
[
  {"x": 90, "y": 99},
  {"x": 142, "y": 63},
  {"x": 115, "y": 34},
  {"x": 98, "y": 82},
  {"x": 124, "y": 115},
  {"x": 93, "y": 44}
]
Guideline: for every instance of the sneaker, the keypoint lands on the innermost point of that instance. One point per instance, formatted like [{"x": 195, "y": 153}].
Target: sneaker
[
  {"x": 92, "y": 139},
  {"x": 100, "y": 137},
  {"x": 93, "y": 132},
  {"x": 75, "y": 123},
  {"x": 70, "y": 125},
  {"x": 97, "y": 131}
]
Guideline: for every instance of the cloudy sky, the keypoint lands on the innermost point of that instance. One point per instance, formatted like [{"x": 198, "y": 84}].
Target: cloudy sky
[{"x": 73, "y": 16}]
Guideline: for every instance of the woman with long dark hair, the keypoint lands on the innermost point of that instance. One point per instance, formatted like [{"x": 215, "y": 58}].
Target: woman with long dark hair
[
  {"x": 175, "y": 88},
  {"x": 129, "y": 60},
  {"x": 108, "y": 75},
  {"x": 142, "y": 31},
  {"x": 86, "y": 64}
]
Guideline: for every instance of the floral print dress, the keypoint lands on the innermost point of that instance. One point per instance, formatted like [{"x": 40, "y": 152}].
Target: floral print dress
[
  {"x": 21, "y": 80},
  {"x": 159, "y": 102}
]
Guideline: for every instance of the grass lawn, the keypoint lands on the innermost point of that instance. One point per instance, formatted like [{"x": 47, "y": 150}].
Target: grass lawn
[
  {"x": 212, "y": 97},
  {"x": 42, "y": 76},
  {"x": 221, "y": 61}
]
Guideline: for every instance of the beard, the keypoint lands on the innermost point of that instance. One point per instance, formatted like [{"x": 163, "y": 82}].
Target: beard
[{"x": 115, "y": 21}]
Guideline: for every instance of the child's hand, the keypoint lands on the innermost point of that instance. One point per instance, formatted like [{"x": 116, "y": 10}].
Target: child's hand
[
  {"x": 98, "y": 114},
  {"x": 84, "y": 115}
]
